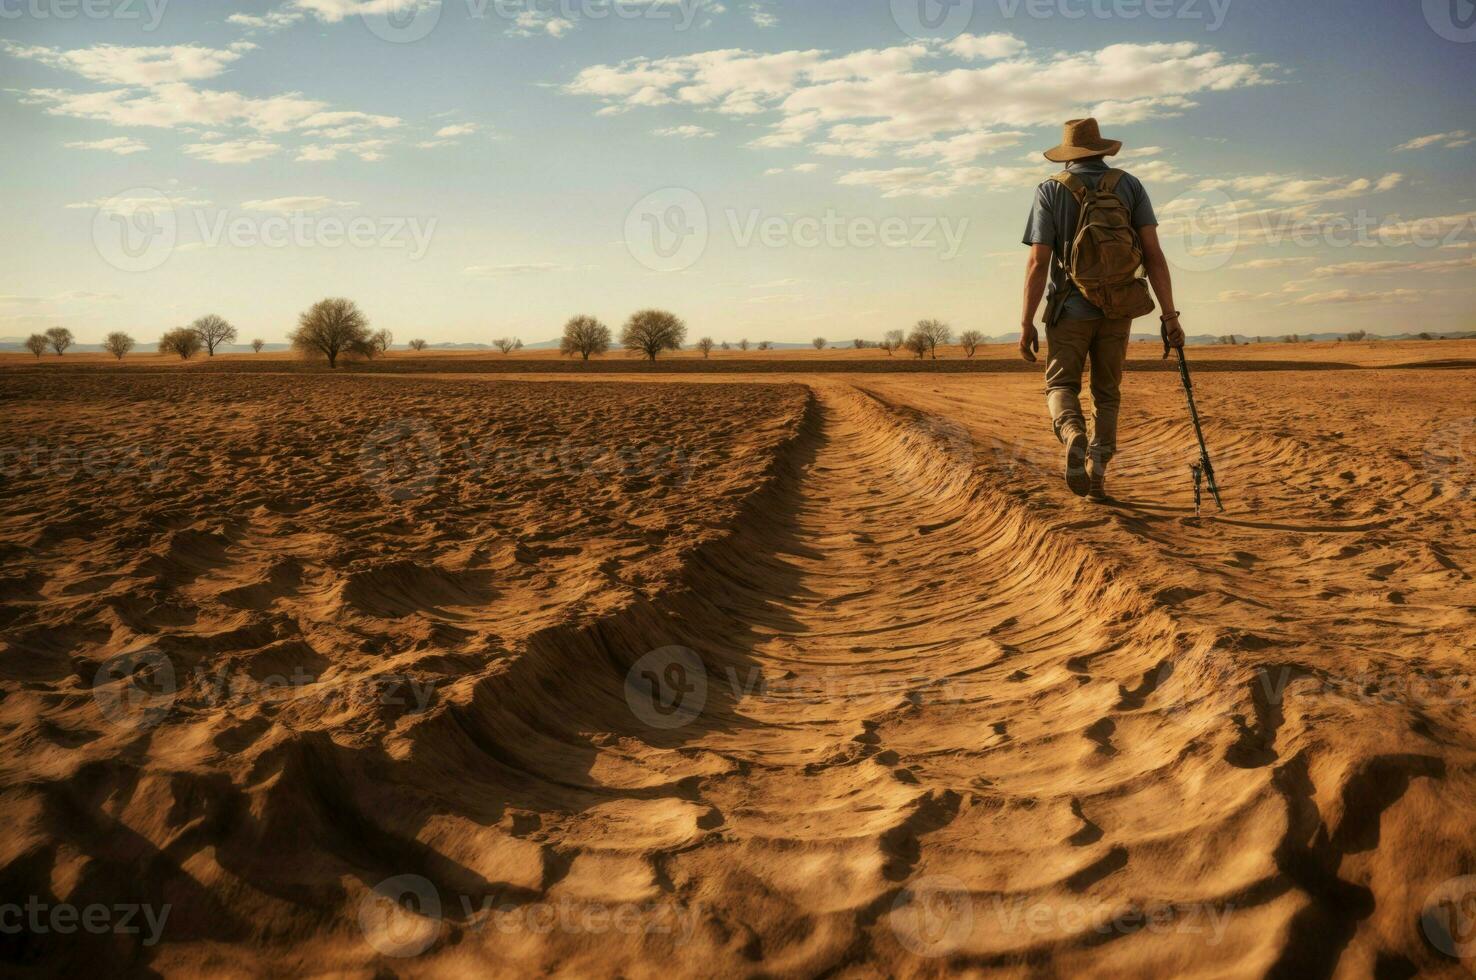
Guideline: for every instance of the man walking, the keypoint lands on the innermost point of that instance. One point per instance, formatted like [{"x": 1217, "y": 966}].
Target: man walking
[{"x": 1091, "y": 229}]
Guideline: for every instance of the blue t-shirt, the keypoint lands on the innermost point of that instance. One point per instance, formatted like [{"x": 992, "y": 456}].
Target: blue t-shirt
[{"x": 1053, "y": 222}]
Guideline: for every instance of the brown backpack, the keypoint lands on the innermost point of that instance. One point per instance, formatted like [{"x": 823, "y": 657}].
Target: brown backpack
[{"x": 1106, "y": 254}]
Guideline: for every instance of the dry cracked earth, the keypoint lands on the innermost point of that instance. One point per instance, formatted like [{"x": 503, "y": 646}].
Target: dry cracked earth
[{"x": 828, "y": 676}]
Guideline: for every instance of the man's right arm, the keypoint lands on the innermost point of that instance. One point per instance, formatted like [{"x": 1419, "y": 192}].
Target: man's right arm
[
  {"x": 1162, "y": 282},
  {"x": 1037, "y": 271}
]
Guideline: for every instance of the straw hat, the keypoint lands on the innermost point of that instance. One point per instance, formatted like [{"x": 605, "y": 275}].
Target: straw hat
[{"x": 1080, "y": 139}]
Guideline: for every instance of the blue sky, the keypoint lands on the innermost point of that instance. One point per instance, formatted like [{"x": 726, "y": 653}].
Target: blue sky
[{"x": 774, "y": 170}]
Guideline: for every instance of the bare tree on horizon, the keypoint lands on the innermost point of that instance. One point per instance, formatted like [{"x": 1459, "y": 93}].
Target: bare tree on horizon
[
  {"x": 705, "y": 345},
  {"x": 331, "y": 327},
  {"x": 257, "y": 345},
  {"x": 818, "y": 343},
  {"x": 917, "y": 343},
  {"x": 37, "y": 343},
  {"x": 213, "y": 331},
  {"x": 585, "y": 336},
  {"x": 970, "y": 340},
  {"x": 650, "y": 332},
  {"x": 933, "y": 333},
  {"x": 418, "y": 345},
  {"x": 60, "y": 338},
  {"x": 892, "y": 342},
  {"x": 507, "y": 344},
  {"x": 184, "y": 341},
  {"x": 380, "y": 341},
  {"x": 118, "y": 344}
]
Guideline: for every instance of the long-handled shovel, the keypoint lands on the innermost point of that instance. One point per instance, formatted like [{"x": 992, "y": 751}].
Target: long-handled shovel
[{"x": 1204, "y": 470}]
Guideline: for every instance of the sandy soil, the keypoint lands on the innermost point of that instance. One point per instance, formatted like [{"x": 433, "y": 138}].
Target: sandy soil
[{"x": 440, "y": 676}]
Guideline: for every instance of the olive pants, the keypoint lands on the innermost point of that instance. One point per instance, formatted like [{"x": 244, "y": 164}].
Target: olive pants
[{"x": 1073, "y": 345}]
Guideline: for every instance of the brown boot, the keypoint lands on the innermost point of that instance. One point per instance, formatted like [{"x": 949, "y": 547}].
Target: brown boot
[
  {"x": 1077, "y": 480},
  {"x": 1097, "y": 482}
]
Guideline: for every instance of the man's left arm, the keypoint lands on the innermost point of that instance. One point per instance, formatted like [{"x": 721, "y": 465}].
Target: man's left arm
[
  {"x": 1155, "y": 264},
  {"x": 1162, "y": 282}
]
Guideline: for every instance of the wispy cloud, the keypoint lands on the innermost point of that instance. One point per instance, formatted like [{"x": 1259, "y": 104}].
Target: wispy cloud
[
  {"x": 1449, "y": 141},
  {"x": 686, "y": 132},
  {"x": 155, "y": 88},
  {"x": 114, "y": 64},
  {"x": 232, "y": 151},
  {"x": 513, "y": 269},
  {"x": 293, "y": 205},
  {"x": 121, "y": 145},
  {"x": 1339, "y": 296}
]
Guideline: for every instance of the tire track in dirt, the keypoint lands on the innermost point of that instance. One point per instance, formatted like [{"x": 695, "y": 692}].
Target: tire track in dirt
[{"x": 908, "y": 680}]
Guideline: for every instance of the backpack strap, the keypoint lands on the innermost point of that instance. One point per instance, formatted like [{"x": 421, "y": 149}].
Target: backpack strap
[
  {"x": 1108, "y": 183},
  {"x": 1072, "y": 183}
]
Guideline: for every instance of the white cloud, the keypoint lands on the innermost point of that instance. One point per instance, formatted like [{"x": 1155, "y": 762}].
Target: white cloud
[
  {"x": 1288, "y": 189},
  {"x": 875, "y": 103},
  {"x": 333, "y": 11},
  {"x": 121, "y": 145},
  {"x": 924, "y": 182},
  {"x": 1347, "y": 269},
  {"x": 989, "y": 46},
  {"x": 530, "y": 23},
  {"x": 231, "y": 151},
  {"x": 1273, "y": 263},
  {"x": 114, "y": 64},
  {"x": 368, "y": 150},
  {"x": 127, "y": 206},
  {"x": 1448, "y": 141},
  {"x": 762, "y": 15},
  {"x": 515, "y": 269},
  {"x": 686, "y": 132},
  {"x": 293, "y": 205},
  {"x": 156, "y": 92},
  {"x": 272, "y": 20},
  {"x": 1350, "y": 296},
  {"x": 965, "y": 147},
  {"x": 456, "y": 129},
  {"x": 1241, "y": 296}
]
